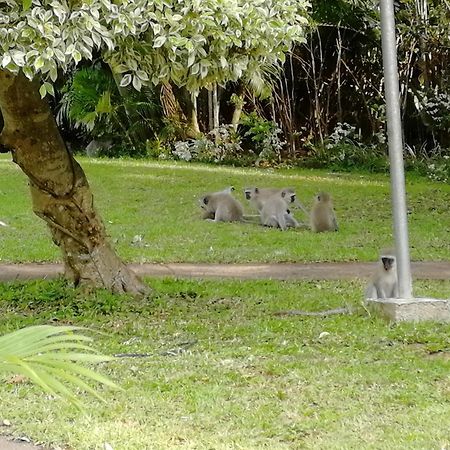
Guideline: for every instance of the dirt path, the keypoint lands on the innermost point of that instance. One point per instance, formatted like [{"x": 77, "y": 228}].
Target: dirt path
[
  {"x": 8, "y": 444},
  {"x": 282, "y": 271}
]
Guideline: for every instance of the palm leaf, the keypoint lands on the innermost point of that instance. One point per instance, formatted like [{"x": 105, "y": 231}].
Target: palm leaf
[{"x": 52, "y": 358}]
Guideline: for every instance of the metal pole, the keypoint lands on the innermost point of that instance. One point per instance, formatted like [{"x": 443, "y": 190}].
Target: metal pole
[{"x": 394, "y": 126}]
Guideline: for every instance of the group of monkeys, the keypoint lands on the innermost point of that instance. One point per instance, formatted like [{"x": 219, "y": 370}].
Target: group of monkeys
[{"x": 273, "y": 207}]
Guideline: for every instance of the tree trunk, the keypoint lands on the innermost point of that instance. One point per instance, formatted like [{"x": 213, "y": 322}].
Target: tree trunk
[
  {"x": 237, "y": 112},
  {"x": 59, "y": 189},
  {"x": 238, "y": 101},
  {"x": 210, "y": 111},
  {"x": 216, "y": 107},
  {"x": 173, "y": 110},
  {"x": 193, "y": 120}
]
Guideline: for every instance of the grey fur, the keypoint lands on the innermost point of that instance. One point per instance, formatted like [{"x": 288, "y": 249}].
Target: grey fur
[
  {"x": 323, "y": 217},
  {"x": 384, "y": 283}
]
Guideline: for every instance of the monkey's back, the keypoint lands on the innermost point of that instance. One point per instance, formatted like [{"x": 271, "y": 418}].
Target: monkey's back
[
  {"x": 259, "y": 199},
  {"x": 323, "y": 218},
  {"x": 227, "y": 208},
  {"x": 273, "y": 213}
]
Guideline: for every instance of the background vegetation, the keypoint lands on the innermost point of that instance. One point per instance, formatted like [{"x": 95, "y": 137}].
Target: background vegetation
[
  {"x": 223, "y": 370},
  {"x": 325, "y": 108}
]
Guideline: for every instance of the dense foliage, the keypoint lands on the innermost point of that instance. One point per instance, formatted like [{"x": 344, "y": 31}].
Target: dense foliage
[
  {"x": 205, "y": 61},
  {"x": 337, "y": 76}
]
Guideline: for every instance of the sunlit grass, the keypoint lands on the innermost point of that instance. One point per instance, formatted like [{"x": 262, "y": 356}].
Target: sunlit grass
[
  {"x": 225, "y": 372},
  {"x": 158, "y": 201}
]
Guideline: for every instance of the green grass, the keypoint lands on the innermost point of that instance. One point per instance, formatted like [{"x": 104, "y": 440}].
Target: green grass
[
  {"x": 159, "y": 201},
  {"x": 249, "y": 379}
]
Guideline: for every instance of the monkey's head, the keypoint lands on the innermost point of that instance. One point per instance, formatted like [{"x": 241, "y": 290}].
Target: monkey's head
[
  {"x": 288, "y": 195},
  {"x": 323, "y": 197},
  {"x": 250, "y": 192},
  {"x": 204, "y": 201},
  {"x": 388, "y": 262}
]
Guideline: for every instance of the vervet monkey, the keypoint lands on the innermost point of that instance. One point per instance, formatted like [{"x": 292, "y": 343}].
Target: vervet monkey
[
  {"x": 221, "y": 206},
  {"x": 323, "y": 217},
  {"x": 210, "y": 215},
  {"x": 384, "y": 283},
  {"x": 258, "y": 197},
  {"x": 275, "y": 213}
]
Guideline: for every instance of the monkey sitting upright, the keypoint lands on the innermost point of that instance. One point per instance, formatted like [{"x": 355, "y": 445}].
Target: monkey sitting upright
[
  {"x": 384, "y": 283},
  {"x": 323, "y": 217},
  {"x": 221, "y": 206},
  {"x": 275, "y": 212}
]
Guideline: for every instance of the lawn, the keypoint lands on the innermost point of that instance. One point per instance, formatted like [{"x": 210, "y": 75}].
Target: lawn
[
  {"x": 152, "y": 214},
  {"x": 225, "y": 372}
]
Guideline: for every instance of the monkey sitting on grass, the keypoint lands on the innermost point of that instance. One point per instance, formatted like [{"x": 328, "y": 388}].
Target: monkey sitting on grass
[
  {"x": 259, "y": 196},
  {"x": 275, "y": 213},
  {"x": 221, "y": 206},
  {"x": 384, "y": 282},
  {"x": 323, "y": 217}
]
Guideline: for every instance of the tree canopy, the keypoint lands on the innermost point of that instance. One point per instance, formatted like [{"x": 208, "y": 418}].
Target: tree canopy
[{"x": 191, "y": 43}]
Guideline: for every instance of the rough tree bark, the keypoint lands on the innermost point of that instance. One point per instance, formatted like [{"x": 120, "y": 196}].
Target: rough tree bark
[
  {"x": 174, "y": 112},
  {"x": 60, "y": 192}
]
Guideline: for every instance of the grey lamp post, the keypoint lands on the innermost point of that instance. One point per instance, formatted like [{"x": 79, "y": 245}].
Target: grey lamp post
[
  {"x": 395, "y": 143},
  {"x": 405, "y": 307}
]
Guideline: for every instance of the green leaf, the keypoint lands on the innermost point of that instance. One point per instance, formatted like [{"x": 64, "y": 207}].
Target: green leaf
[
  {"x": 104, "y": 104},
  {"x": 49, "y": 88},
  {"x": 42, "y": 91},
  {"x": 126, "y": 80},
  {"x": 46, "y": 355},
  {"x": 26, "y": 4},
  {"x": 137, "y": 84},
  {"x": 159, "y": 41}
]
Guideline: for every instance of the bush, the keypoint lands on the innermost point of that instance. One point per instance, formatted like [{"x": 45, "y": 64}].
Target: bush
[
  {"x": 221, "y": 146},
  {"x": 93, "y": 106},
  {"x": 435, "y": 168},
  {"x": 344, "y": 151},
  {"x": 263, "y": 139}
]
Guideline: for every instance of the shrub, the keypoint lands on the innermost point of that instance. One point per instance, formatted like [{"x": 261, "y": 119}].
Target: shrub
[
  {"x": 344, "y": 151},
  {"x": 263, "y": 138},
  {"x": 222, "y": 146},
  {"x": 93, "y": 105}
]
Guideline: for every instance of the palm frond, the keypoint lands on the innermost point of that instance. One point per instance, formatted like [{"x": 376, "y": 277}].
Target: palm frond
[{"x": 52, "y": 358}]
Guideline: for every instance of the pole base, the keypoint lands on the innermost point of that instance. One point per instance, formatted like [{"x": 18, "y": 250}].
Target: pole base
[{"x": 411, "y": 310}]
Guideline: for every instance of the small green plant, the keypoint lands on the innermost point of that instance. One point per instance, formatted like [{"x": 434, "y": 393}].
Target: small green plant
[
  {"x": 343, "y": 151},
  {"x": 221, "y": 146},
  {"x": 156, "y": 148},
  {"x": 435, "y": 169},
  {"x": 53, "y": 358},
  {"x": 263, "y": 138},
  {"x": 434, "y": 108},
  {"x": 439, "y": 169}
]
